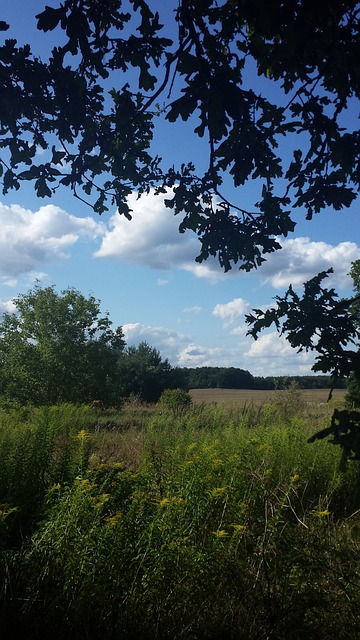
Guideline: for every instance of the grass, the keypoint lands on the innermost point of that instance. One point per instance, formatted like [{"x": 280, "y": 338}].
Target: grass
[{"x": 216, "y": 522}]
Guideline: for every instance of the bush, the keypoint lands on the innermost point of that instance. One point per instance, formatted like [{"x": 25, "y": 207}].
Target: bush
[{"x": 175, "y": 400}]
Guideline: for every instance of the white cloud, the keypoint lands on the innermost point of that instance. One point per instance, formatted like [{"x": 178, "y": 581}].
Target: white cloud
[
  {"x": 231, "y": 311},
  {"x": 167, "y": 341},
  {"x": 209, "y": 270},
  {"x": 29, "y": 239},
  {"x": 194, "y": 355},
  {"x": 7, "y": 306},
  {"x": 161, "y": 283},
  {"x": 269, "y": 355},
  {"x": 151, "y": 238},
  {"x": 273, "y": 353},
  {"x": 240, "y": 330},
  {"x": 301, "y": 259}
]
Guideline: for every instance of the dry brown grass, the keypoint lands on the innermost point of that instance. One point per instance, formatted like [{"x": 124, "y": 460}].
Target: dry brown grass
[{"x": 246, "y": 396}]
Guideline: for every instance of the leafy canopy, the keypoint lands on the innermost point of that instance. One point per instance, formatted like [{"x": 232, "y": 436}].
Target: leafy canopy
[
  {"x": 115, "y": 70},
  {"x": 57, "y": 347}
]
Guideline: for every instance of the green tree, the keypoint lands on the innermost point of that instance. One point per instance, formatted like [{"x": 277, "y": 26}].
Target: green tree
[
  {"x": 58, "y": 348},
  {"x": 144, "y": 374}
]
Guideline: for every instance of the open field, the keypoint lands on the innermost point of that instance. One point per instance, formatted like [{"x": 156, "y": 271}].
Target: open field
[
  {"x": 214, "y": 521},
  {"x": 241, "y": 396}
]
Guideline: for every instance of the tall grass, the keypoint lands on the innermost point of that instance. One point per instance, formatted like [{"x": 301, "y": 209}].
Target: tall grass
[{"x": 214, "y": 523}]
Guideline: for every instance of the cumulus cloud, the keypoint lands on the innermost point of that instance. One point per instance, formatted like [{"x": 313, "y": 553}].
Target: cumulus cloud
[
  {"x": 301, "y": 259},
  {"x": 167, "y": 341},
  {"x": 231, "y": 311},
  {"x": 151, "y": 238},
  {"x": 271, "y": 347},
  {"x": 29, "y": 239},
  {"x": 269, "y": 355},
  {"x": 178, "y": 348},
  {"x": 194, "y": 355}
]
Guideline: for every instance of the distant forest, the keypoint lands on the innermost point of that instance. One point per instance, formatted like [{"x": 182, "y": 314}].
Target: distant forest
[{"x": 233, "y": 378}]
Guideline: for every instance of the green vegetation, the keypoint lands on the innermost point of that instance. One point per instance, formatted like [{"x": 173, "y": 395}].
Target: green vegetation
[
  {"x": 57, "y": 348},
  {"x": 210, "y": 522},
  {"x": 144, "y": 374},
  {"x": 235, "y": 378},
  {"x": 175, "y": 400}
]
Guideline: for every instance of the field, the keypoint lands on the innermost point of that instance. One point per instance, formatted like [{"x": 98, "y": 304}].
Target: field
[
  {"x": 209, "y": 522},
  {"x": 241, "y": 396}
]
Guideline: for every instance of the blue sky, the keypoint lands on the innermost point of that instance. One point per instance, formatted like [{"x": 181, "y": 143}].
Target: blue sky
[{"x": 144, "y": 272}]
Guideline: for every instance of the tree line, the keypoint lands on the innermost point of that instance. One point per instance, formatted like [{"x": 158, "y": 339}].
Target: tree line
[{"x": 234, "y": 378}]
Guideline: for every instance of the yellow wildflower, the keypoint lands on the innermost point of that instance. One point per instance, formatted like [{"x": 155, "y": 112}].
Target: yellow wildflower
[
  {"x": 113, "y": 520},
  {"x": 83, "y": 435},
  {"x": 294, "y": 478},
  {"x": 322, "y": 514},
  {"x": 239, "y": 528},
  {"x": 171, "y": 501},
  {"x": 220, "y": 533},
  {"x": 55, "y": 487},
  {"x": 102, "y": 499}
]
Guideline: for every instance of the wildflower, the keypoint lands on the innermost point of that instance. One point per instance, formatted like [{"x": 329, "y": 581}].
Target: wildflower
[
  {"x": 239, "y": 528},
  {"x": 83, "y": 435},
  {"x": 294, "y": 478},
  {"x": 113, "y": 520},
  {"x": 171, "y": 501},
  {"x": 322, "y": 514},
  {"x": 85, "y": 484},
  {"x": 102, "y": 499},
  {"x": 220, "y": 533},
  {"x": 55, "y": 487}
]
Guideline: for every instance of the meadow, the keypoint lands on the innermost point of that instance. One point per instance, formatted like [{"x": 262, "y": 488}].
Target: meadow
[{"x": 213, "y": 521}]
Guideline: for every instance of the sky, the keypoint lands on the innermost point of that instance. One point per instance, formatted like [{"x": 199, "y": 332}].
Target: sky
[{"x": 144, "y": 272}]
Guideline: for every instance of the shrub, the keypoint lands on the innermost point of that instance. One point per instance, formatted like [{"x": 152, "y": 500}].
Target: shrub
[{"x": 175, "y": 400}]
